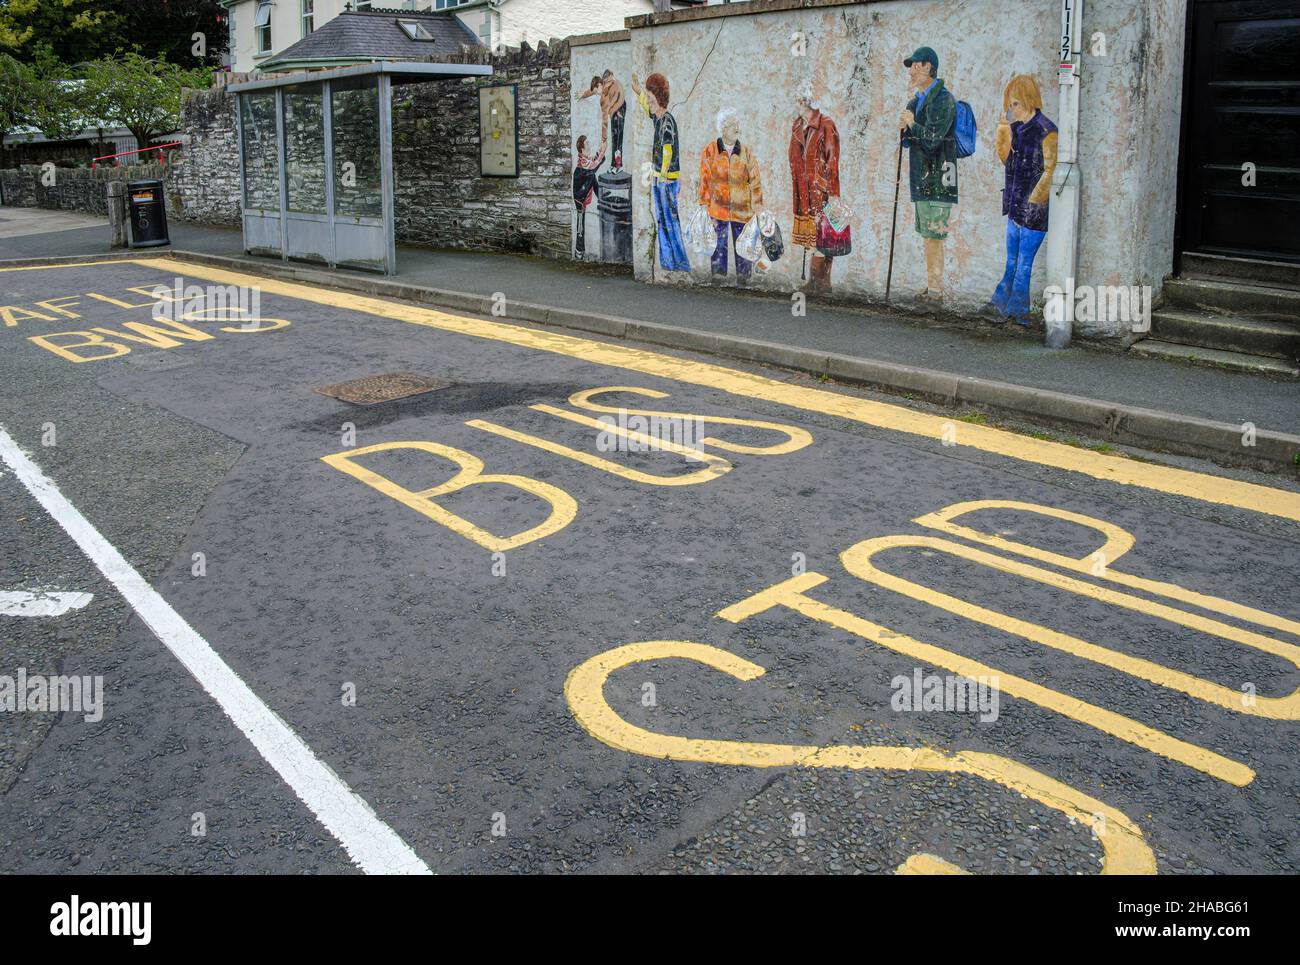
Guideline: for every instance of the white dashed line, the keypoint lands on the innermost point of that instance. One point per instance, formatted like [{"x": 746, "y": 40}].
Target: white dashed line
[{"x": 41, "y": 603}]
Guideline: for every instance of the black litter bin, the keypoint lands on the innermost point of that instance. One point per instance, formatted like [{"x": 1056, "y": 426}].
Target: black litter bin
[{"x": 148, "y": 214}]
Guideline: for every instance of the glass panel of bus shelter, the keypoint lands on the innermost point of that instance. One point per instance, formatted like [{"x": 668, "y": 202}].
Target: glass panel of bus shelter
[
  {"x": 358, "y": 189},
  {"x": 304, "y": 148},
  {"x": 261, "y": 158}
]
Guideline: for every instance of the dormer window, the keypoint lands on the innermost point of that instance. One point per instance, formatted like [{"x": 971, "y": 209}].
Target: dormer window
[{"x": 415, "y": 29}]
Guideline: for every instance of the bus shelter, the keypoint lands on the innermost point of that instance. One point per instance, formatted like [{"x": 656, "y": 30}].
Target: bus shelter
[{"x": 316, "y": 161}]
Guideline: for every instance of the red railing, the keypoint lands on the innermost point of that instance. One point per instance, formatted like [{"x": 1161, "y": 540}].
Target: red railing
[{"x": 160, "y": 148}]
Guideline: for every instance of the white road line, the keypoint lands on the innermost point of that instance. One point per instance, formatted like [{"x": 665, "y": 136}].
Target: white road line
[
  {"x": 41, "y": 603},
  {"x": 369, "y": 842}
]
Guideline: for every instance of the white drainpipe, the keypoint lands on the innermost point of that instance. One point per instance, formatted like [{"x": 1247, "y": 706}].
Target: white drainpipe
[{"x": 1062, "y": 242}]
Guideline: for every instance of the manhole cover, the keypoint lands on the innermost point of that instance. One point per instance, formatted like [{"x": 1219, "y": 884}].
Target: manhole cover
[{"x": 381, "y": 388}]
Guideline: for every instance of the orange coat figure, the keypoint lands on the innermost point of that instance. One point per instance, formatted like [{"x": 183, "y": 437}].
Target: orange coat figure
[
  {"x": 815, "y": 171},
  {"x": 729, "y": 182}
]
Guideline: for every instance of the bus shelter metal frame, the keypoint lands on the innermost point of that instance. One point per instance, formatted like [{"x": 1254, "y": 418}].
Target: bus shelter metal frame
[{"x": 322, "y": 231}]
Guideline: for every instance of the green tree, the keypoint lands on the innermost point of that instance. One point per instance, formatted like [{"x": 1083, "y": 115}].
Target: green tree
[
  {"x": 58, "y": 107},
  {"x": 17, "y": 95},
  {"x": 140, "y": 94},
  {"x": 74, "y": 31}
]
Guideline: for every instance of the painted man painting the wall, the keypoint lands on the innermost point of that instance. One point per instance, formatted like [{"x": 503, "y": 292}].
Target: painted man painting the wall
[
  {"x": 732, "y": 189},
  {"x": 927, "y": 125},
  {"x": 815, "y": 171},
  {"x": 665, "y": 158},
  {"x": 613, "y": 111},
  {"x": 1026, "y": 145}
]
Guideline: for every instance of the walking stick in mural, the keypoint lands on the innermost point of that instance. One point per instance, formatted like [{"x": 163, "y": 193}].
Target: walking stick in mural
[{"x": 893, "y": 222}]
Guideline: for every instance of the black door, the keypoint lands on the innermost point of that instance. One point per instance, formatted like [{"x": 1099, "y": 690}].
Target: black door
[{"x": 1243, "y": 108}]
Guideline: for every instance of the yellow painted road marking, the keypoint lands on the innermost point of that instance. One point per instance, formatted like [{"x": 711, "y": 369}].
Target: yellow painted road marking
[
  {"x": 857, "y": 559},
  {"x": 929, "y": 864},
  {"x": 1118, "y": 542},
  {"x": 563, "y": 506},
  {"x": 796, "y": 438},
  {"x": 791, "y": 593},
  {"x": 715, "y": 465},
  {"x": 1127, "y": 472},
  {"x": 1125, "y": 850},
  {"x": 80, "y": 264}
]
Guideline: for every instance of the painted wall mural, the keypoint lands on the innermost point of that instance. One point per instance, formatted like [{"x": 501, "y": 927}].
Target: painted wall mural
[
  {"x": 602, "y": 185},
  {"x": 1025, "y": 143},
  {"x": 891, "y": 151}
]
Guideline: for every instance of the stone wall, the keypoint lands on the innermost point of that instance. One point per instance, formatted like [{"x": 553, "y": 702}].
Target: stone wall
[
  {"x": 74, "y": 189},
  {"x": 442, "y": 199},
  {"x": 203, "y": 176}
]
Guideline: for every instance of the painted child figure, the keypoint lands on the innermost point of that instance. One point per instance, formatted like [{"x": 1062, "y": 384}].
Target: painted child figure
[{"x": 584, "y": 189}]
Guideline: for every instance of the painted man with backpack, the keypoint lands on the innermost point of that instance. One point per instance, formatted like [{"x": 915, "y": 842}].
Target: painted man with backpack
[{"x": 928, "y": 133}]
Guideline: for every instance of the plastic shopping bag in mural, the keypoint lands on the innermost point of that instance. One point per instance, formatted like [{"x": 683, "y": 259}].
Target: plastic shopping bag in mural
[
  {"x": 698, "y": 232},
  {"x": 770, "y": 231},
  {"x": 750, "y": 243}
]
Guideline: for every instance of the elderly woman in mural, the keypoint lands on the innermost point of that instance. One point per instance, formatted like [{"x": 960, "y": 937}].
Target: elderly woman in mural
[
  {"x": 1026, "y": 145},
  {"x": 584, "y": 188},
  {"x": 815, "y": 171},
  {"x": 732, "y": 190},
  {"x": 666, "y": 160}
]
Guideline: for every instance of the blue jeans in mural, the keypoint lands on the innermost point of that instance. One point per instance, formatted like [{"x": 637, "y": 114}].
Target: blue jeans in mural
[
  {"x": 719, "y": 260},
  {"x": 1012, "y": 295},
  {"x": 672, "y": 253}
]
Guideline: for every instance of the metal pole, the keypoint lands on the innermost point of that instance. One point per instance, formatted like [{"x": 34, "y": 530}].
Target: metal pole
[
  {"x": 284, "y": 174},
  {"x": 326, "y": 107},
  {"x": 386, "y": 170},
  {"x": 1062, "y": 241},
  {"x": 243, "y": 174}
]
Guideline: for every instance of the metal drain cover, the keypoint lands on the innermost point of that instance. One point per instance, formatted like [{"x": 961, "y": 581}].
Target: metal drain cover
[{"x": 375, "y": 389}]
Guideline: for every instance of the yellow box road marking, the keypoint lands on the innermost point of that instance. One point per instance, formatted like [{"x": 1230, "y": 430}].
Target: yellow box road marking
[
  {"x": 1165, "y": 479},
  {"x": 1125, "y": 850}
]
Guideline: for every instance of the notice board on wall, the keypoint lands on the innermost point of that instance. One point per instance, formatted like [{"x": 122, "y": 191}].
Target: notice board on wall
[{"x": 498, "y": 128}]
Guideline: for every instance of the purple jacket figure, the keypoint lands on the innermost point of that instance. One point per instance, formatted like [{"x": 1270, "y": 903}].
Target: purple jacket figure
[{"x": 1027, "y": 149}]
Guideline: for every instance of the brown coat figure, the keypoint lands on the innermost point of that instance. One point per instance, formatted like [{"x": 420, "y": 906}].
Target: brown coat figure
[{"x": 815, "y": 171}]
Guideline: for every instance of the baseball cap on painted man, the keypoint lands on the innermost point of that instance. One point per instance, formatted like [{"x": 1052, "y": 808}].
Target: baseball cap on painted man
[{"x": 925, "y": 55}]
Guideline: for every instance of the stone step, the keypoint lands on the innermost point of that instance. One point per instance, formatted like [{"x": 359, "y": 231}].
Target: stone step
[
  {"x": 1236, "y": 361},
  {"x": 1222, "y": 296},
  {"x": 1274, "y": 274},
  {"x": 1229, "y": 333}
]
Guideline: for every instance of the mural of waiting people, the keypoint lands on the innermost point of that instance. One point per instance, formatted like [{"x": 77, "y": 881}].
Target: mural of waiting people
[
  {"x": 613, "y": 111},
  {"x": 732, "y": 189},
  {"x": 815, "y": 171},
  {"x": 927, "y": 126},
  {"x": 584, "y": 189},
  {"x": 666, "y": 160},
  {"x": 1026, "y": 145}
]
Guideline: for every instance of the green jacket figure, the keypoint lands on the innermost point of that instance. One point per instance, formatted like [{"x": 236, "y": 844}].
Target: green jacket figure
[{"x": 931, "y": 144}]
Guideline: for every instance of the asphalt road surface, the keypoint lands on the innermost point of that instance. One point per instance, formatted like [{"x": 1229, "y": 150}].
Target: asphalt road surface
[{"x": 514, "y": 624}]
